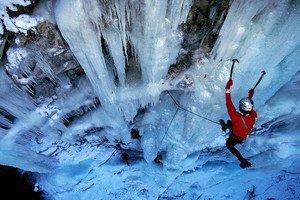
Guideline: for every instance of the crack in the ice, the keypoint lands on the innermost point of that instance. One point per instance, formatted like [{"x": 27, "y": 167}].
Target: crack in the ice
[
  {"x": 89, "y": 187},
  {"x": 294, "y": 173}
]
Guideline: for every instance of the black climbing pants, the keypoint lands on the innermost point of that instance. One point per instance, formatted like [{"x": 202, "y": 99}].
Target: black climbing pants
[{"x": 230, "y": 143}]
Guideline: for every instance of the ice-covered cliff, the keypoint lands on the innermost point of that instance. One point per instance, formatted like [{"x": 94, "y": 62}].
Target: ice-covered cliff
[{"x": 85, "y": 81}]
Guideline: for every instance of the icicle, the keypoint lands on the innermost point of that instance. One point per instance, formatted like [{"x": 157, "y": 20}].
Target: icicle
[
  {"x": 85, "y": 44},
  {"x": 44, "y": 64},
  {"x": 154, "y": 38},
  {"x": 150, "y": 28},
  {"x": 12, "y": 99}
]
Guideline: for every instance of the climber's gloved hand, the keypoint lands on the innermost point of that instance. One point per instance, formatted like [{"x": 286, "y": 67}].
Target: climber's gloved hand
[
  {"x": 250, "y": 93},
  {"x": 229, "y": 84}
]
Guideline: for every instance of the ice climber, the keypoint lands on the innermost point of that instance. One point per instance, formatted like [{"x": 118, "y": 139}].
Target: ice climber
[{"x": 240, "y": 123}]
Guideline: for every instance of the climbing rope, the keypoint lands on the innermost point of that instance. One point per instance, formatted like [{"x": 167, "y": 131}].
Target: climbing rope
[
  {"x": 182, "y": 108},
  {"x": 179, "y": 106},
  {"x": 169, "y": 125}
]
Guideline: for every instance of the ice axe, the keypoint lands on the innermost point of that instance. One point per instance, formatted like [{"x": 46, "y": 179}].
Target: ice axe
[
  {"x": 260, "y": 78},
  {"x": 232, "y": 66}
]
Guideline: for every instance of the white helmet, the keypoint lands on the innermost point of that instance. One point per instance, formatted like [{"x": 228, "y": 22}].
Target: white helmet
[{"x": 245, "y": 104}]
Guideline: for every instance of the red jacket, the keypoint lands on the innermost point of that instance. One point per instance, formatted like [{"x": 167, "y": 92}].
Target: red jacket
[{"x": 239, "y": 128}]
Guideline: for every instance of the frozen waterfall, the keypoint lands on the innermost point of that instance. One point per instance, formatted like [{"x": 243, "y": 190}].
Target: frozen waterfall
[
  {"x": 126, "y": 48},
  {"x": 263, "y": 35},
  {"x": 101, "y": 35},
  {"x": 89, "y": 92}
]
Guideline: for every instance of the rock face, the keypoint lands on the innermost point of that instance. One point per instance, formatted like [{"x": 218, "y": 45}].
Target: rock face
[
  {"x": 200, "y": 33},
  {"x": 39, "y": 59}
]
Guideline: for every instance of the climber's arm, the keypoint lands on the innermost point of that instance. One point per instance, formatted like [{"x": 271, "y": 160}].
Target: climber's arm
[
  {"x": 230, "y": 107},
  {"x": 229, "y": 104}
]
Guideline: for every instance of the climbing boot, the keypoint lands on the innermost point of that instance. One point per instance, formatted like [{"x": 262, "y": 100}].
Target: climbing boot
[
  {"x": 125, "y": 157},
  {"x": 158, "y": 159},
  {"x": 223, "y": 125},
  {"x": 245, "y": 164}
]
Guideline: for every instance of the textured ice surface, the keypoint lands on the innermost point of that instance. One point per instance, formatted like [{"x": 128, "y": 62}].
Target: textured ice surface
[
  {"x": 211, "y": 173},
  {"x": 126, "y": 48},
  {"x": 263, "y": 35},
  {"x": 286, "y": 103},
  {"x": 253, "y": 32},
  {"x": 89, "y": 171},
  {"x": 149, "y": 28}
]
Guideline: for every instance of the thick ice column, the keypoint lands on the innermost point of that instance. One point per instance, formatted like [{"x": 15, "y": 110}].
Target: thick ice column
[
  {"x": 81, "y": 30},
  {"x": 109, "y": 20},
  {"x": 156, "y": 38},
  {"x": 85, "y": 43},
  {"x": 150, "y": 27},
  {"x": 113, "y": 40},
  {"x": 148, "y": 52}
]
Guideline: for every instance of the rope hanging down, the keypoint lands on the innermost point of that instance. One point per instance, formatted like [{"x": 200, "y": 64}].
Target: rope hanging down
[
  {"x": 169, "y": 125},
  {"x": 179, "y": 106}
]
